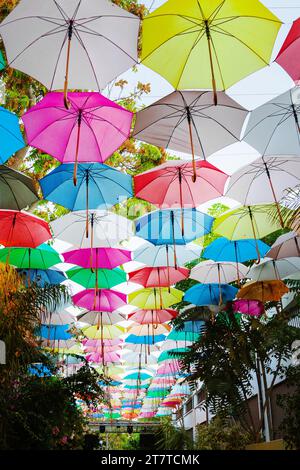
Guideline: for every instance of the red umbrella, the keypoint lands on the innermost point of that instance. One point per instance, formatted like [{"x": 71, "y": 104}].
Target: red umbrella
[
  {"x": 159, "y": 276},
  {"x": 171, "y": 184},
  {"x": 145, "y": 317},
  {"x": 20, "y": 229},
  {"x": 288, "y": 56}
]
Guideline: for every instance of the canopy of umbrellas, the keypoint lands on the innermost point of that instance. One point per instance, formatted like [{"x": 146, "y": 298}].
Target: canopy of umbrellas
[{"x": 196, "y": 45}]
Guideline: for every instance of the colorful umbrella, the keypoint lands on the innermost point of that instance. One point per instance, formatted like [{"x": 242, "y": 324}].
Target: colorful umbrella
[
  {"x": 20, "y": 229},
  {"x": 89, "y": 131},
  {"x": 2, "y": 61},
  {"x": 95, "y": 343},
  {"x": 287, "y": 56},
  {"x": 148, "y": 340},
  {"x": 171, "y": 354},
  {"x": 99, "y": 186},
  {"x": 197, "y": 45},
  {"x": 71, "y": 44},
  {"x": 55, "y": 332},
  {"x": 265, "y": 181},
  {"x": 101, "y": 318},
  {"x": 106, "y": 229},
  {"x": 254, "y": 308},
  {"x": 187, "y": 121},
  {"x": 107, "y": 332},
  {"x": 97, "y": 278},
  {"x": 16, "y": 189},
  {"x": 10, "y": 135},
  {"x": 42, "y": 257},
  {"x": 208, "y": 272},
  {"x": 247, "y": 222},
  {"x": 145, "y": 317},
  {"x": 103, "y": 258},
  {"x": 164, "y": 255},
  {"x": 137, "y": 359},
  {"x": 154, "y": 299},
  {"x": 159, "y": 276},
  {"x": 273, "y": 128},
  {"x": 210, "y": 294},
  {"x": 286, "y": 246},
  {"x": 271, "y": 270},
  {"x": 264, "y": 291},
  {"x": 185, "y": 336},
  {"x": 108, "y": 357},
  {"x": 105, "y": 300},
  {"x": 149, "y": 329},
  {"x": 61, "y": 316},
  {"x": 42, "y": 277},
  {"x": 238, "y": 251}
]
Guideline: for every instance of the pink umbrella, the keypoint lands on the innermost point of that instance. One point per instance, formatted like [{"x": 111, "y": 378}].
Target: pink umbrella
[
  {"x": 170, "y": 367},
  {"x": 98, "y": 349},
  {"x": 90, "y": 131},
  {"x": 288, "y": 55},
  {"x": 254, "y": 308},
  {"x": 107, "y": 357},
  {"x": 95, "y": 343},
  {"x": 145, "y": 317},
  {"x": 105, "y": 300},
  {"x": 103, "y": 258},
  {"x": 159, "y": 277},
  {"x": 147, "y": 414}
]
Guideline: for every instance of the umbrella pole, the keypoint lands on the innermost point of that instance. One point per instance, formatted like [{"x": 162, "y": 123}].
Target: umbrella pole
[
  {"x": 237, "y": 265},
  {"x": 79, "y": 121},
  {"x": 220, "y": 290},
  {"x": 274, "y": 195},
  {"x": 297, "y": 246},
  {"x": 254, "y": 234},
  {"x": 92, "y": 241},
  {"x": 102, "y": 342},
  {"x": 70, "y": 34},
  {"x": 160, "y": 293},
  {"x": 29, "y": 256},
  {"x": 87, "y": 206},
  {"x": 168, "y": 267},
  {"x": 181, "y": 201},
  {"x": 173, "y": 236},
  {"x": 189, "y": 119},
  {"x": 213, "y": 78}
]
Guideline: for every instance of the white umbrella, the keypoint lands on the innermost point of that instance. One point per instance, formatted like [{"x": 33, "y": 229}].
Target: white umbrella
[
  {"x": 72, "y": 44},
  {"x": 136, "y": 359},
  {"x": 103, "y": 318},
  {"x": 273, "y": 128},
  {"x": 209, "y": 272},
  {"x": 163, "y": 255},
  {"x": 286, "y": 246},
  {"x": 171, "y": 344},
  {"x": 107, "y": 229},
  {"x": 271, "y": 270},
  {"x": 264, "y": 180}
]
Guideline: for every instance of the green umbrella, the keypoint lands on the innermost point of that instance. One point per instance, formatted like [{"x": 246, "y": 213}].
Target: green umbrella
[
  {"x": 170, "y": 354},
  {"x": 183, "y": 336},
  {"x": 100, "y": 278},
  {"x": 2, "y": 61},
  {"x": 16, "y": 190},
  {"x": 42, "y": 257}
]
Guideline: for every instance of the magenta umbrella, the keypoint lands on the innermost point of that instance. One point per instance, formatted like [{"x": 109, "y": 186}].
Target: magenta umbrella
[
  {"x": 112, "y": 357},
  {"x": 102, "y": 258},
  {"x": 254, "y": 308},
  {"x": 104, "y": 300},
  {"x": 90, "y": 131},
  {"x": 95, "y": 343}
]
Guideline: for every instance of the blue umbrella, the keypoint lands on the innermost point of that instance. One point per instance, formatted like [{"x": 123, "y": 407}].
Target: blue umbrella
[
  {"x": 238, "y": 251},
  {"x": 39, "y": 370},
  {"x": 43, "y": 276},
  {"x": 210, "y": 294},
  {"x": 98, "y": 186},
  {"x": 2, "y": 61},
  {"x": 144, "y": 339},
  {"x": 10, "y": 135},
  {"x": 191, "y": 326},
  {"x": 55, "y": 332}
]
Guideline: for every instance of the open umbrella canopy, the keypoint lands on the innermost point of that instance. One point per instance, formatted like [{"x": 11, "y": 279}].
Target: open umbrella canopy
[
  {"x": 98, "y": 186},
  {"x": 21, "y": 229},
  {"x": 210, "y": 294},
  {"x": 83, "y": 45},
  {"x": 108, "y": 357},
  {"x": 16, "y": 189},
  {"x": 43, "y": 257},
  {"x": 100, "y": 278},
  {"x": 271, "y": 270},
  {"x": 101, "y": 318},
  {"x": 89, "y": 130},
  {"x": 194, "y": 45},
  {"x": 137, "y": 375},
  {"x": 106, "y": 229},
  {"x": 106, "y": 332},
  {"x": 287, "y": 56},
  {"x": 237, "y": 251},
  {"x": 144, "y": 330},
  {"x": 55, "y": 332},
  {"x": 61, "y": 316},
  {"x": 254, "y": 308},
  {"x": 102, "y": 258},
  {"x": 145, "y": 317},
  {"x": 165, "y": 226},
  {"x": 163, "y": 255},
  {"x": 2, "y": 61},
  {"x": 209, "y": 272},
  {"x": 100, "y": 300},
  {"x": 159, "y": 276},
  {"x": 138, "y": 359},
  {"x": 185, "y": 336},
  {"x": 264, "y": 291},
  {"x": 42, "y": 277},
  {"x": 286, "y": 246},
  {"x": 171, "y": 354},
  {"x": 170, "y": 184},
  {"x": 273, "y": 128},
  {"x": 154, "y": 299},
  {"x": 148, "y": 340},
  {"x": 10, "y": 134}
]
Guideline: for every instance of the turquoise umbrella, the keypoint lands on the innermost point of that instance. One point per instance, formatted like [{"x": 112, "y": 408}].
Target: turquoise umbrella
[{"x": 10, "y": 134}]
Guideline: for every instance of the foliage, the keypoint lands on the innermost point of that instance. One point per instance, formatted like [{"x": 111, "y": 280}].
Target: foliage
[
  {"x": 290, "y": 403},
  {"x": 170, "y": 437},
  {"x": 221, "y": 434}
]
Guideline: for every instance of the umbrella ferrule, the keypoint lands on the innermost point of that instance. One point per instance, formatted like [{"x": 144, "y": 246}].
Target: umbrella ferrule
[
  {"x": 207, "y": 30},
  {"x": 188, "y": 114},
  {"x": 79, "y": 117},
  {"x": 70, "y": 29}
]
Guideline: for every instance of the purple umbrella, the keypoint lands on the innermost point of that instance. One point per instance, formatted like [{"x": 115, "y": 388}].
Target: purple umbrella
[{"x": 91, "y": 130}]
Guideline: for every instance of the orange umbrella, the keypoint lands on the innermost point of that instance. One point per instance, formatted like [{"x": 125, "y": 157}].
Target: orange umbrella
[{"x": 265, "y": 291}]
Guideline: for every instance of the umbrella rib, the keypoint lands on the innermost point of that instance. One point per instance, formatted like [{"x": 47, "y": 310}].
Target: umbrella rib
[
  {"x": 77, "y": 35},
  {"x": 179, "y": 122},
  {"x": 11, "y": 190},
  {"x": 197, "y": 40},
  {"x": 58, "y": 59},
  {"x": 218, "y": 63},
  {"x": 61, "y": 11}
]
